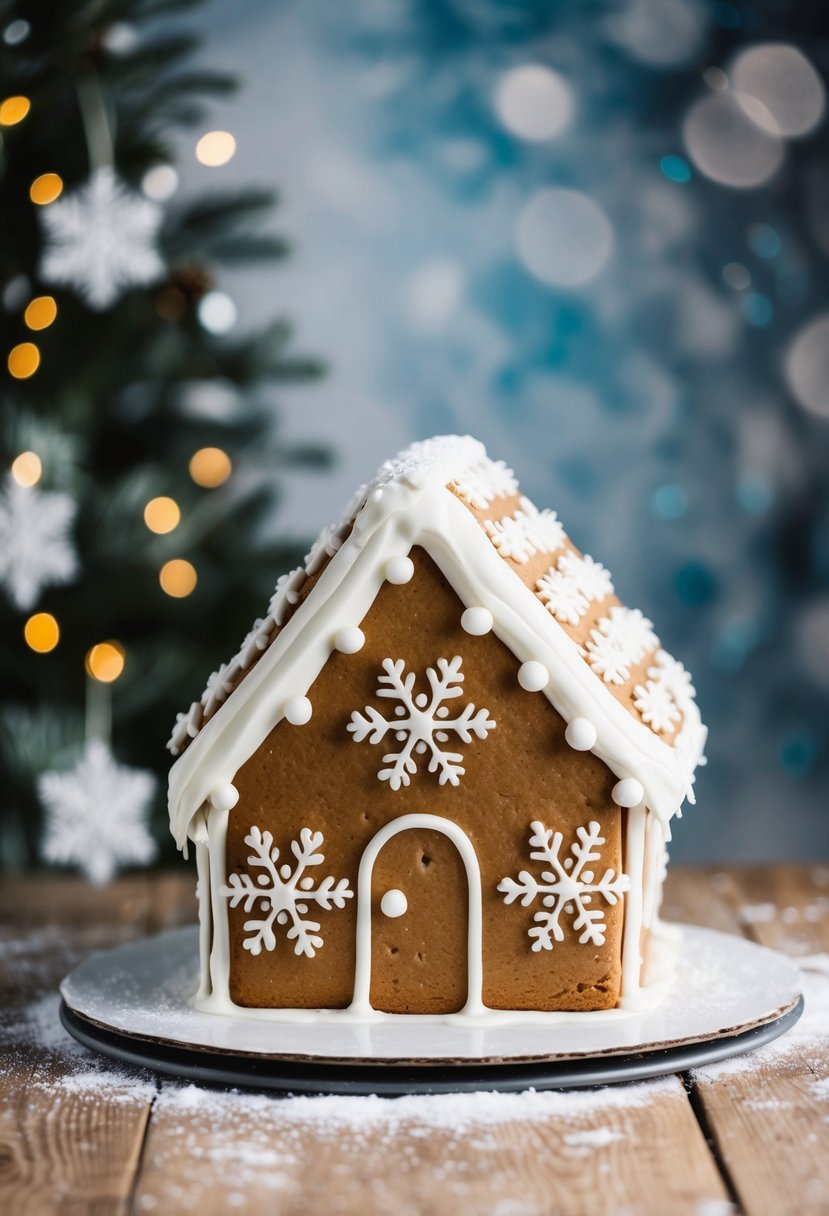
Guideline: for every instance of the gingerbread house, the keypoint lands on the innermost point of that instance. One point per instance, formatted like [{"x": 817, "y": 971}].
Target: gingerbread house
[{"x": 439, "y": 775}]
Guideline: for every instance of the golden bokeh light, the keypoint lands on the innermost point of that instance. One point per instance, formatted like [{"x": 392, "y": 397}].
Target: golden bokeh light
[
  {"x": 40, "y": 312},
  {"x": 162, "y": 515},
  {"x": 105, "y": 662},
  {"x": 27, "y": 469},
  {"x": 23, "y": 360},
  {"x": 41, "y": 632},
  {"x": 46, "y": 188},
  {"x": 215, "y": 148},
  {"x": 178, "y": 577},
  {"x": 210, "y": 467},
  {"x": 13, "y": 110}
]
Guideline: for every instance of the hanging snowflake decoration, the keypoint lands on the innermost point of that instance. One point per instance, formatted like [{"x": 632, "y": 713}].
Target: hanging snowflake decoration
[
  {"x": 569, "y": 886},
  {"x": 620, "y": 640},
  {"x": 101, "y": 240},
  {"x": 421, "y": 723},
  {"x": 96, "y": 814},
  {"x": 284, "y": 893},
  {"x": 35, "y": 548}
]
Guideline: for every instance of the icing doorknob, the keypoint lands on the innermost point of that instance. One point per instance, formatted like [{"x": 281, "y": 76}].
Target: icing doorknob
[{"x": 393, "y": 903}]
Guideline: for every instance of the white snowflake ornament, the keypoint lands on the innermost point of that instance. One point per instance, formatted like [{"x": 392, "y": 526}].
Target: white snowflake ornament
[
  {"x": 35, "y": 548},
  {"x": 101, "y": 240},
  {"x": 421, "y": 723},
  {"x": 569, "y": 886},
  {"x": 620, "y": 640},
  {"x": 96, "y": 814},
  {"x": 284, "y": 892}
]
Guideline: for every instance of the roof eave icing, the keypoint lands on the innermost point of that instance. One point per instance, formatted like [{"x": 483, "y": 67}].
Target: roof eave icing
[{"x": 408, "y": 504}]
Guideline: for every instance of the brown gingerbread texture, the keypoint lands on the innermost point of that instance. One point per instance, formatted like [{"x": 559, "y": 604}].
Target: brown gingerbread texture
[
  {"x": 525, "y": 870},
  {"x": 317, "y": 776}
]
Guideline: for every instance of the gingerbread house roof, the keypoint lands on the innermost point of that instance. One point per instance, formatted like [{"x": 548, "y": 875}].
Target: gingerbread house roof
[{"x": 516, "y": 571}]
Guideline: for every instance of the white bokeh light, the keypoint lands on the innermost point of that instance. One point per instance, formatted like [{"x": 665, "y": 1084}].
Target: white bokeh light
[
  {"x": 729, "y": 146},
  {"x": 563, "y": 237},
  {"x": 662, "y": 33},
  {"x": 160, "y": 182},
  {"x": 217, "y": 312},
  {"x": 783, "y": 80},
  {"x": 807, "y": 366},
  {"x": 434, "y": 291},
  {"x": 534, "y": 102}
]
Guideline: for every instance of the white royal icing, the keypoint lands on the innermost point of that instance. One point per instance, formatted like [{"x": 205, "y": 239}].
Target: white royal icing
[
  {"x": 569, "y": 885},
  {"x": 476, "y": 621},
  {"x": 421, "y": 722},
  {"x": 407, "y": 504},
  {"x": 282, "y": 894}
]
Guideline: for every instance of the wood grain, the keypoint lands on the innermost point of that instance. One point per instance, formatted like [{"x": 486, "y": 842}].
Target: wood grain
[
  {"x": 577, "y": 1155},
  {"x": 769, "y": 1114},
  {"x": 71, "y": 1145}
]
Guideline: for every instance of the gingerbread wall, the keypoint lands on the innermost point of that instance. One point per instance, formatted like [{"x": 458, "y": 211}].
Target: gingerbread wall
[{"x": 317, "y": 776}]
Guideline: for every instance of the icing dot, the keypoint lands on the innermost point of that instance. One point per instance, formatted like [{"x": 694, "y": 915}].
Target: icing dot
[
  {"x": 349, "y": 640},
  {"x": 393, "y": 903},
  {"x": 224, "y": 797},
  {"x": 477, "y": 621},
  {"x": 581, "y": 735},
  {"x": 628, "y": 792},
  {"x": 533, "y": 676},
  {"x": 399, "y": 570},
  {"x": 298, "y": 711}
]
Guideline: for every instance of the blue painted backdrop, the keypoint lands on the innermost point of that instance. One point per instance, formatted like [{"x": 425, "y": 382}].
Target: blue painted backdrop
[{"x": 595, "y": 235}]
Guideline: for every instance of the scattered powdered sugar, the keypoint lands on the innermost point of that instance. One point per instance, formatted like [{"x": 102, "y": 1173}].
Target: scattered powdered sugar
[
  {"x": 593, "y": 1137},
  {"x": 449, "y": 1111},
  {"x": 811, "y": 1031}
]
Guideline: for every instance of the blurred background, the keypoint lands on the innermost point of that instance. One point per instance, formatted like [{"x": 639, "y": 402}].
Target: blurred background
[{"x": 593, "y": 234}]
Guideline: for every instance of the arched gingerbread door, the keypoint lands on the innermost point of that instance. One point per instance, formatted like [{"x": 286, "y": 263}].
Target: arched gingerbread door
[{"x": 418, "y": 920}]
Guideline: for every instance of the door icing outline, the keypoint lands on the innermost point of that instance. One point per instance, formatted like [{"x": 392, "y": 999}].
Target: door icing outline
[{"x": 361, "y": 1000}]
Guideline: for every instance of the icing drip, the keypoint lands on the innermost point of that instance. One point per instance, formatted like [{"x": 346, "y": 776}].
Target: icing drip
[
  {"x": 568, "y": 886},
  {"x": 421, "y": 722}
]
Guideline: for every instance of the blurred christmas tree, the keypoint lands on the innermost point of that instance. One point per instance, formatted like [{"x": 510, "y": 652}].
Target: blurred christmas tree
[{"x": 141, "y": 450}]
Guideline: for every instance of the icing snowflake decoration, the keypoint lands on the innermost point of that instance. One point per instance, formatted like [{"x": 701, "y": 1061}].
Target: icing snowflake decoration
[
  {"x": 570, "y": 586},
  {"x": 283, "y": 894},
  {"x": 657, "y": 699},
  {"x": 568, "y": 886},
  {"x": 484, "y": 481},
  {"x": 35, "y": 547},
  {"x": 526, "y": 532},
  {"x": 421, "y": 722},
  {"x": 96, "y": 814},
  {"x": 326, "y": 545},
  {"x": 101, "y": 240},
  {"x": 620, "y": 640}
]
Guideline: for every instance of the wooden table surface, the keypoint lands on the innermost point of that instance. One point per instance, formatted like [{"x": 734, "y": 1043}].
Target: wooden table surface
[{"x": 80, "y": 1135}]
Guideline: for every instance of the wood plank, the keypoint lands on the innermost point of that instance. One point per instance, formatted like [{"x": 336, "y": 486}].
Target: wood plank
[
  {"x": 633, "y": 1149},
  {"x": 71, "y": 1134},
  {"x": 768, "y": 1113},
  {"x": 71, "y": 1125}
]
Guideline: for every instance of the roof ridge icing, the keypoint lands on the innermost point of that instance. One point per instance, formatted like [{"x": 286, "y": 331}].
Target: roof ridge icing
[{"x": 426, "y": 495}]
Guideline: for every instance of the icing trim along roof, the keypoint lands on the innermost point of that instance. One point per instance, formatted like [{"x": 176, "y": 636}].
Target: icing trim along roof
[{"x": 548, "y": 603}]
